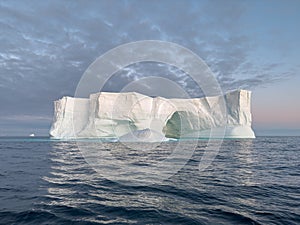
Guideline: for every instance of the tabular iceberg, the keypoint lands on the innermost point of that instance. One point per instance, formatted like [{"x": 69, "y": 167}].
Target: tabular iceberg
[{"x": 121, "y": 115}]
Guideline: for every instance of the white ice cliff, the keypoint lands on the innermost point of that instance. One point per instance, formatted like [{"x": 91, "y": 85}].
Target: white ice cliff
[{"x": 133, "y": 115}]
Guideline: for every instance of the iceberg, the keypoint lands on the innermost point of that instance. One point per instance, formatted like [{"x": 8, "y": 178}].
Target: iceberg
[
  {"x": 134, "y": 116},
  {"x": 146, "y": 135}
]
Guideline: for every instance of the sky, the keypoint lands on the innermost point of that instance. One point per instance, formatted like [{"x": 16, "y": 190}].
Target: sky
[{"x": 47, "y": 45}]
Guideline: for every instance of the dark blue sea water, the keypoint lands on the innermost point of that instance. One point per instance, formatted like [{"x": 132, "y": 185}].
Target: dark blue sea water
[{"x": 249, "y": 182}]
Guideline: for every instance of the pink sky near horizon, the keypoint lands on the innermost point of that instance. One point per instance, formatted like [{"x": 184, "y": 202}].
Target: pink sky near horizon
[{"x": 277, "y": 105}]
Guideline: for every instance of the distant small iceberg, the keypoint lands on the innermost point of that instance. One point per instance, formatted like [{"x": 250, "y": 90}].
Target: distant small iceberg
[{"x": 32, "y": 135}]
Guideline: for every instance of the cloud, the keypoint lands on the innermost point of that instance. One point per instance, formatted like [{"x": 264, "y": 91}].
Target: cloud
[{"x": 47, "y": 45}]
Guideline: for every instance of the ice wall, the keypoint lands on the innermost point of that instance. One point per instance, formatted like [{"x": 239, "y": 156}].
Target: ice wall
[
  {"x": 65, "y": 109},
  {"x": 112, "y": 115}
]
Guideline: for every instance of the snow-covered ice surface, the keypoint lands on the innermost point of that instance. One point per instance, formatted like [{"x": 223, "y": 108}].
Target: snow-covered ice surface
[{"x": 136, "y": 117}]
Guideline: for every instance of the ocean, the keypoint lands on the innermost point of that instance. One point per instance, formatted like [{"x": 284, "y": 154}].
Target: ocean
[{"x": 253, "y": 181}]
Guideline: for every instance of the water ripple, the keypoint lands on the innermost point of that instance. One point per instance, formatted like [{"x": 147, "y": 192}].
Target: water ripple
[{"x": 250, "y": 182}]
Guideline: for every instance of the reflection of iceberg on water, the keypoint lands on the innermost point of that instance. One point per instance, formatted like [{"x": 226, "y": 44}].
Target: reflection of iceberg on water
[{"x": 133, "y": 116}]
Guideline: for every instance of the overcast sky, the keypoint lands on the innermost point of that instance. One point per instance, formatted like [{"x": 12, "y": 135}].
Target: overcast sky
[{"x": 46, "y": 46}]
